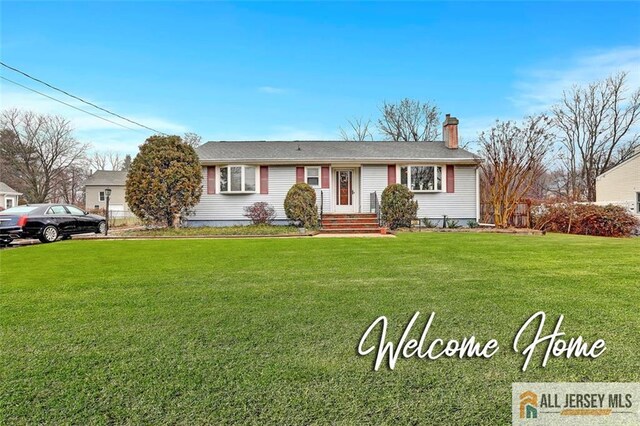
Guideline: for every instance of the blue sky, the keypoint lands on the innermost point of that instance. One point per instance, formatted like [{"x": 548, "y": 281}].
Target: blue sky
[{"x": 299, "y": 70}]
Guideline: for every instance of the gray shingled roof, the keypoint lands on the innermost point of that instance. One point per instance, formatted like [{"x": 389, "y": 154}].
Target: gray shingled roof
[
  {"x": 330, "y": 151},
  {"x": 4, "y": 188},
  {"x": 107, "y": 177}
]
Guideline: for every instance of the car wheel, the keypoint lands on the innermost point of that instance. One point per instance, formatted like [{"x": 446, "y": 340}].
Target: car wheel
[
  {"x": 102, "y": 228},
  {"x": 49, "y": 234}
]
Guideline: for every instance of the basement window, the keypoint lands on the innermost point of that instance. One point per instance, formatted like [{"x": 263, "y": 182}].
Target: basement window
[
  {"x": 237, "y": 179},
  {"x": 422, "y": 178}
]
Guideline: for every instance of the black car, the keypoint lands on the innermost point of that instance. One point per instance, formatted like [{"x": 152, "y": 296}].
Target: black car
[{"x": 47, "y": 222}]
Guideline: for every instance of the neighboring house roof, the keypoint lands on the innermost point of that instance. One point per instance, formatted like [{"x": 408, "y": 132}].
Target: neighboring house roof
[
  {"x": 282, "y": 152},
  {"x": 6, "y": 189},
  {"x": 623, "y": 164},
  {"x": 107, "y": 178}
]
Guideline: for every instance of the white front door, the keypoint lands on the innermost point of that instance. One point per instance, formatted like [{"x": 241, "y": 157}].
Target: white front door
[{"x": 345, "y": 194}]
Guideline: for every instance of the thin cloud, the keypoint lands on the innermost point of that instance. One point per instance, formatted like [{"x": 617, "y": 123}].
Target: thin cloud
[
  {"x": 271, "y": 90},
  {"x": 101, "y": 134},
  {"x": 541, "y": 87}
]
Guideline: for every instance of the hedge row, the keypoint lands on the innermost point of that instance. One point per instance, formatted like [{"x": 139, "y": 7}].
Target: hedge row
[{"x": 587, "y": 219}]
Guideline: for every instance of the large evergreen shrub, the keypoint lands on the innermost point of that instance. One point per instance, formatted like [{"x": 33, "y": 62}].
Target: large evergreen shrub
[
  {"x": 300, "y": 205},
  {"x": 398, "y": 208},
  {"x": 164, "y": 180}
]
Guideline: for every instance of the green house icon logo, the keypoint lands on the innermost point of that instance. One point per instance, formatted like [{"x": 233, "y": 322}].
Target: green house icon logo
[{"x": 528, "y": 405}]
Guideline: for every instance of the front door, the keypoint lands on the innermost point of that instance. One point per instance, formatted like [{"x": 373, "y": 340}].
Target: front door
[{"x": 344, "y": 194}]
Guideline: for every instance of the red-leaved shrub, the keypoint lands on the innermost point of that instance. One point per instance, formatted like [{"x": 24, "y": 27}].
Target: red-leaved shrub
[
  {"x": 260, "y": 213},
  {"x": 587, "y": 219}
]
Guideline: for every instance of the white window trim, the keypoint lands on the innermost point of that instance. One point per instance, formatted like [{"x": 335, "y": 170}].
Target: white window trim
[
  {"x": 101, "y": 196},
  {"x": 9, "y": 198},
  {"x": 242, "y": 179},
  {"x": 306, "y": 176},
  {"x": 443, "y": 177}
]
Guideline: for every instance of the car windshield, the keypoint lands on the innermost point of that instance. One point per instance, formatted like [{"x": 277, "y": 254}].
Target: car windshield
[{"x": 19, "y": 209}]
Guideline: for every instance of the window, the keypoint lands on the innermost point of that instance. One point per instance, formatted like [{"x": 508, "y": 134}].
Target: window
[
  {"x": 237, "y": 179},
  {"x": 57, "y": 210},
  {"x": 422, "y": 178},
  {"x": 637, "y": 202},
  {"x": 20, "y": 209},
  {"x": 313, "y": 176},
  {"x": 101, "y": 196},
  {"x": 75, "y": 211},
  {"x": 8, "y": 203}
]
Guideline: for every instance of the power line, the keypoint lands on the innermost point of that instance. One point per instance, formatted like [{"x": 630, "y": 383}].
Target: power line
[
  {"x": 80, "y": 99},
  {"x": 69, "y": 105}
]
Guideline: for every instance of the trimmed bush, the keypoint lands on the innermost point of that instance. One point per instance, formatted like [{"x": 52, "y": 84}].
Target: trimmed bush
[
  {"x": 428, "y": 223},
  {"x": 587, "y": 219},
  {"x": 260, "y": 213},
  {"x": 300, "y": 205},
  {"x": 452, "y": 224},
  {"x": 398, "y": 207}
]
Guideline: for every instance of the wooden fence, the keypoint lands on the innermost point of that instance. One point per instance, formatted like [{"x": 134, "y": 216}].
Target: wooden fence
[{"x": 520, "y": 219}]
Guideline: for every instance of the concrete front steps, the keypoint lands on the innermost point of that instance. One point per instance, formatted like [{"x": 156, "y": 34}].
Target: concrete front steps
[{"x": 350, "y": 223}]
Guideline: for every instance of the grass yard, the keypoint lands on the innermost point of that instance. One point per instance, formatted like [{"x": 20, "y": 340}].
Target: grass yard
[
  {"x": 213, "y": 230},
  {"x": 265, "y": 330}
]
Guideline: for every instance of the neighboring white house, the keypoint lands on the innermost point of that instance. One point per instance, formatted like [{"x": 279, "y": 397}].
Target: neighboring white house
[
  {"x": 95, "y": 196},
  {"x": 347, "y": 176},
  {"x": 621, "y": 185},
  {"x": 8, "y": 196}
]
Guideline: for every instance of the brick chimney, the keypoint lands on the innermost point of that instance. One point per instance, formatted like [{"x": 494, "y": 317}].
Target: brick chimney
[{"x": 450, "y": 132}]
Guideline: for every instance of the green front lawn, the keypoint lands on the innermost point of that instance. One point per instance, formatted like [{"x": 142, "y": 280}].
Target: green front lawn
[
  {"x": 213, "y": 230},
  {"x": 265, "y": 330}
]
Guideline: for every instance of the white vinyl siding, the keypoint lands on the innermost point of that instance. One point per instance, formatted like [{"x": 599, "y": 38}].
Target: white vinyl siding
[
  {"x": 326, "y": 198},
  {"x": 231, "y": 206},
  {"x": 374, "y": 179},
  {"x": 460, "y": 204},
  {"x": 620, "y": 185}
]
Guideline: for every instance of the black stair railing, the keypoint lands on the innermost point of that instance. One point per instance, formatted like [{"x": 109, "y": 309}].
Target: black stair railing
[
  {"x": 321, "y": 206},
  {"x": 374, "y": 206}
]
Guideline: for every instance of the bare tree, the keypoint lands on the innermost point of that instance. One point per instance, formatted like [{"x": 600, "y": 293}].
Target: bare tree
[
  {"x": 8, "y": 174},
  {"x": 105, "y": 160},
  {"x": 598, "y": 128},
  {"x": 192, "y": 139},
  {"x": 359, "y": 130},
  {"x": 39, "y": 149},
  {"x": 410, "y": 120},
  {"x": 514, "y": 162},
  {"x": 69, "y": 186}
]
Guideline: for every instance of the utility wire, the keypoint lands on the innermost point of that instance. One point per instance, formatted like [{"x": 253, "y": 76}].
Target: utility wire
[
  {"x": 80, "y": 99},
  {"x": 69, "y": 105}
]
